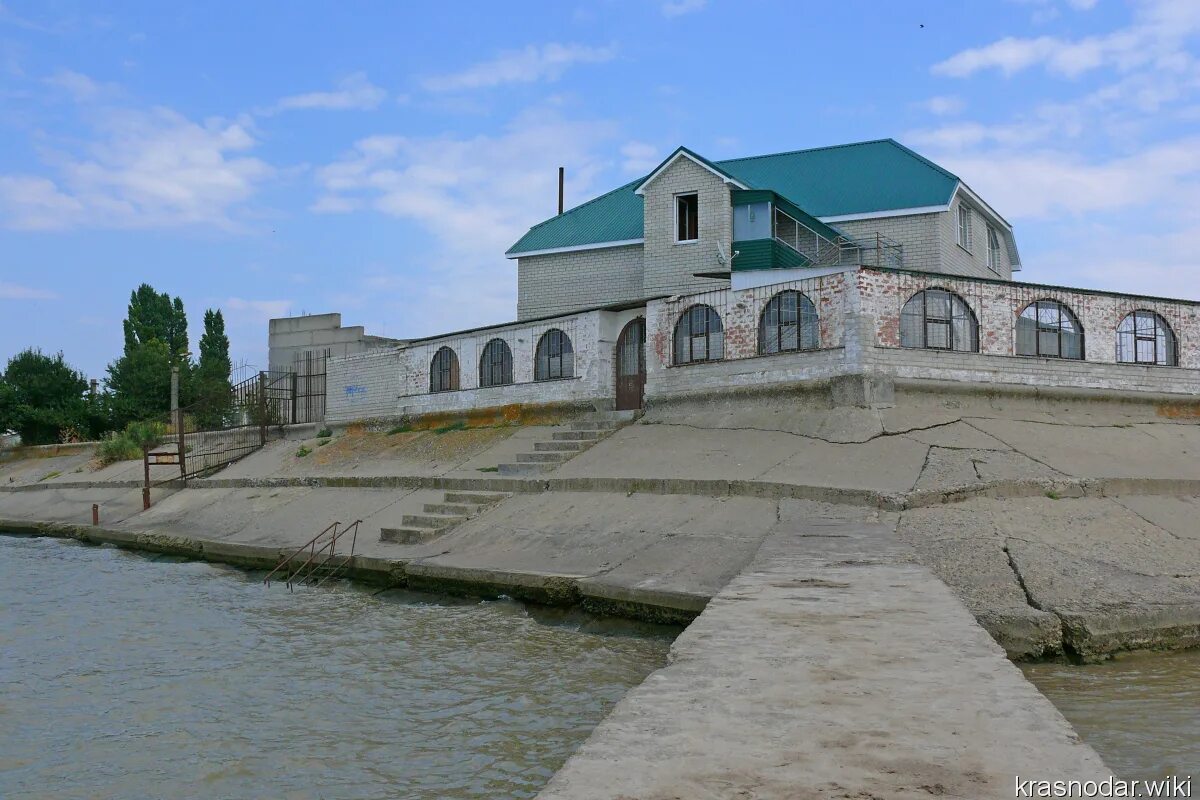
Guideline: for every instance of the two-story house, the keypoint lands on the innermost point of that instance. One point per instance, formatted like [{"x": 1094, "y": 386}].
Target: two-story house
[{"x": 692, "y": 225}]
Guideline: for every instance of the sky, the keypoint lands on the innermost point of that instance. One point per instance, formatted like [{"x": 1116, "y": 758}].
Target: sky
[{"x": 377, "y": 158}]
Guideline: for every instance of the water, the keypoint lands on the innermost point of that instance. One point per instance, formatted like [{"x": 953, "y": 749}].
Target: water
[
  {"x": 125, "y": 678},
  {"x": 1140, "y": 713}
]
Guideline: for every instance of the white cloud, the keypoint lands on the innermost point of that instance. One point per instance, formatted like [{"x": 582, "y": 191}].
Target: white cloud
[
  {"x": 677, "y": 8},
  {"x": 944, "y": 105},
  {"x": 152, "y": 168},
  {"x": 355, "y": 92},
  {"x": 639, "y": 157},
  {"x": 79, "y": 86},
  {"x": 13, "y": 291},
  {"x": 530, "y": 65},
  {"x": 1159, "y": 31}
]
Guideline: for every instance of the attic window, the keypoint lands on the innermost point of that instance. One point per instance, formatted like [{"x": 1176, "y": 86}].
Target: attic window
[
  {"x": 993, "y": 253},
  {"x": 964, "y": 226},
  {"x": 687, "y": 217}
]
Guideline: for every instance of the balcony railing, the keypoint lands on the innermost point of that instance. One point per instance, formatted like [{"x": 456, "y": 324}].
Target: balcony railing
[{"x": 821, "y": 251}]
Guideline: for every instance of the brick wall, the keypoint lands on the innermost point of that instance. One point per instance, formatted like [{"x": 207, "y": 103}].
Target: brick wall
[
  {"x": 920, "y": 234},
  {"x": 560, "y": 283},
  {"x": 956, "y": 259},
  {"x": 363, "y": 385},
  {"x": 668, "y": 265}
]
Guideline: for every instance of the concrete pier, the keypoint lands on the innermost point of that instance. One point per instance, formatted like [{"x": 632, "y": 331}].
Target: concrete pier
[{"x": 833, "y": 666}]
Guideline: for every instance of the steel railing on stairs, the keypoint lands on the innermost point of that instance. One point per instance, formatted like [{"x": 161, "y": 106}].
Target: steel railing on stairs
[{"x": 323, "y": 561}]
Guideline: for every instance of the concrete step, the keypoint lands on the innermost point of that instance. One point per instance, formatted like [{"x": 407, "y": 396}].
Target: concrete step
[
  {"x": 525, "y": 469},
  {"x": 578, "y": 436},
  {"x": 475, "y": 498},
  {"x": 435, "y": 521},
  {"x": 408, "y": 535},
  {"x": 617, "y": 416},
  {"x": 594, "y": 425},
  {"x": 562, "y": 446},
  {"x": 454, "y": 509},
  {"x": 542, "y": 458}
]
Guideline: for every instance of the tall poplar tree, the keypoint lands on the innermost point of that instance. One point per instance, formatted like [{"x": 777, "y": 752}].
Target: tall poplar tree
[{"x": 155, "y": 340}]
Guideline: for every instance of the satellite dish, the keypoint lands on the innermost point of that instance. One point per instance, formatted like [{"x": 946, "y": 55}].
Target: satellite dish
[{"x": 721, "y": 254}]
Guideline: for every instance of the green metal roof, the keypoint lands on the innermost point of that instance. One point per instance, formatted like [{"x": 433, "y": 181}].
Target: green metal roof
[{"x": 861, "y": 178}]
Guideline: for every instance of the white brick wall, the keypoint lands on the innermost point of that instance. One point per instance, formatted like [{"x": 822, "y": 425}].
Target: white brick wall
[
  {"x": 560, "y": 283},
  {"x": 668, "y": 265}
]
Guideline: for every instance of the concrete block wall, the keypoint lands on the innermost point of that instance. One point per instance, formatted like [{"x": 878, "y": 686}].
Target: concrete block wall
[
  {"x": 560, "y": 283},
  {"x": 290, "y": 337},
  {"x": 669, "y": 266},
  {"x": 363, "y": 385},
  {"x": 959, "y": 261}
]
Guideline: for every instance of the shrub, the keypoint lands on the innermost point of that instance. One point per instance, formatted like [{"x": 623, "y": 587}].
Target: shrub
[
  {"x": 130, "y": 443},
  {"x": 324, "y": 433},
  {"x": 303, "y": 451},
  {"x": 323, "y": 442}
]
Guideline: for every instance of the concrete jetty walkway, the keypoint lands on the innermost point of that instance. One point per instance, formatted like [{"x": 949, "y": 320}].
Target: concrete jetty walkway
[{"x": 833, "y": 666}]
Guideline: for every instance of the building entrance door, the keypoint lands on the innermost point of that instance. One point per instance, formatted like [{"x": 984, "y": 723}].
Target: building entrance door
[{"x": 631, "y": 365}]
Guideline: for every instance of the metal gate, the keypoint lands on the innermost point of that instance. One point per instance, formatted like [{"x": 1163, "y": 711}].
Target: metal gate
[
  {"x": 631, "y": 365},
  {"x": 308, "y": 387}
]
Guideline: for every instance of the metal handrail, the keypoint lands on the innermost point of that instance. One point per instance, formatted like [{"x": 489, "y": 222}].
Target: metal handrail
[
  {"x": 888, "y": 252},
  {"x": 310, "y": 543},
  {"x": 347, "y": 558}
]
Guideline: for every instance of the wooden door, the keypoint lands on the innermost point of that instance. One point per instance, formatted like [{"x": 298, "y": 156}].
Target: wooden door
[{"x": 631, "y": 365}]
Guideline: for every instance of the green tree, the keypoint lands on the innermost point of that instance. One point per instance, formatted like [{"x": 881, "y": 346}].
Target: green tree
[
  {"x": 155, "y": 340},
  {"x": 41, "y": 397},
  {"x": 211, "y": 378}
]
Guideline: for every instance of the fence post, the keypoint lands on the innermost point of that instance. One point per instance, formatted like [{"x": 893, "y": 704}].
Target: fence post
[
  {"x": 146, "y": 487},
  {"x": 262, "y": 408},
  {"x": 293, "y": 397}
]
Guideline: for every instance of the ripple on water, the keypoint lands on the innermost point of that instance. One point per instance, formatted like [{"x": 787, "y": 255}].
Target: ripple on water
[
  {"x": 121, "y": 678},
  {"x": 1141, "y": 713}
]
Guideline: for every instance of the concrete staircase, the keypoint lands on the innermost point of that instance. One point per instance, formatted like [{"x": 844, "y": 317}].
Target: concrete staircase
[
  {"x": 573, "y": 439},
  {"x": 455, "y": 508}
]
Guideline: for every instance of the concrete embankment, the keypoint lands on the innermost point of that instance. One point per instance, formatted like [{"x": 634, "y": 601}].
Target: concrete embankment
[
  {"x": 832, "y": 666},
  {"x": 1065, "y": 525}
]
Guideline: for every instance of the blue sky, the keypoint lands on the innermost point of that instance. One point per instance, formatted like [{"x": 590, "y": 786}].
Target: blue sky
[{"x": 376, "y": 159}]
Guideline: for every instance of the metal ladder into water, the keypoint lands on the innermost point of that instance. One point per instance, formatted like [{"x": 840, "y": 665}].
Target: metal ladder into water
[{"x": 323, "y": 561}]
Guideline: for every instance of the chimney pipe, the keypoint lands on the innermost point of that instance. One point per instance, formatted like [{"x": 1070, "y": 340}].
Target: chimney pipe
[{"x": 561, "y": 170}]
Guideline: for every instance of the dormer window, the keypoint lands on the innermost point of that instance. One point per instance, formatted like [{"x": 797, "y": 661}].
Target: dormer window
[{"x": 687, "y": 217}]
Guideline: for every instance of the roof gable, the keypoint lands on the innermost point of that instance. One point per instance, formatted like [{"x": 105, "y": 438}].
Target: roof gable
[{"x": 840, "y": 181}]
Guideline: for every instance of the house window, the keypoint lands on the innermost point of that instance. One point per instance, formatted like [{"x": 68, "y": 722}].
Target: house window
[
  {"x": 699, "y": 336},
  {"x": 993, "y": 255},
  {"x": 1049, "y": 329},
  {"x": 554, "y": 358},
  {"x": 788, "y": 322},
  {"x": 687, "y": 217},
  {"x": 1144, "y": 337},
  {"x": 964, "y": 226},
  {"x": 443, "y": 371},
  {"x": 939, "y": 320},
  {"x": 495, "y": 364}
]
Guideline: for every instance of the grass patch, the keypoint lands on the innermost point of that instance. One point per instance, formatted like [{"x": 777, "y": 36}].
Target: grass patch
[
  {"x": 323, "y": 442},
  {"x": 49, "y": 475},
  {"x": 303, "y": 451},
  {"x": 129, "y": 444},
  {"x": 405, "y": 428},
  {"x": 461, "y": 425},
  {"x": 487, "y": 469},
  {"x": 1053, "y": 495},
  {"x": 324, "y": 433}
]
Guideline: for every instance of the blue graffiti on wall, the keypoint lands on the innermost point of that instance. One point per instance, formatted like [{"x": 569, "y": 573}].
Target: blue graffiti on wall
[{"x": 355, "y": 392}]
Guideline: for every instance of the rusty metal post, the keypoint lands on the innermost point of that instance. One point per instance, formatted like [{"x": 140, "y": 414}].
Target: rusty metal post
[
  {"x": 262, "y": 408},
  {"x": 561, "y": 180},
  {"x": 95, "y": 514},
  {"x": 146, "y": 488}
]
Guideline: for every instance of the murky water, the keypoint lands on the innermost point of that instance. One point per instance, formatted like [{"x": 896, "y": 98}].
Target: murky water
[
  {"x": 1140, "y": 713},
  {"x": 125, "y": 678}
]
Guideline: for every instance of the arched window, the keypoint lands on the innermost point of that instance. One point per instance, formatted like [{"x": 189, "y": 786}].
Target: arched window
[
  {"x": 1049, "y": 329},
  {"x": 495, "y": 364},
  {"x": 789, "y": 322},
  {"x": 699, "y": 336},
  {"x": 443, "y": 371},
  {"x": 554, "y": 357},
  {"x": 936, "y": 319},
  {"x": 1144, "y": 337}
]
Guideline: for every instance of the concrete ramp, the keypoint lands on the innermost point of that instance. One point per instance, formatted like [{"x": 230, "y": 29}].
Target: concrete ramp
[{"x": 832, "y": 667}]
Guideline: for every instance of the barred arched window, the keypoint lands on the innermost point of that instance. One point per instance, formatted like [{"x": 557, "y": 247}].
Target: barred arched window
[
  {"x": 1049, "y": 329},
  {"x": 443, "y": 371},
  {"x": 1144, "y": 337},
  {"x": 788, "y": 322},
  {"x": 554, "y": 357},
  {"x": 699, "y": 336},
  {"x": 936, "y": 319},
  {"x": 495, "y": 364}
]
